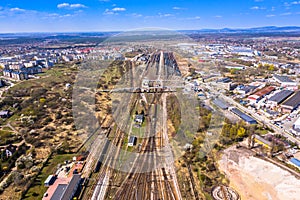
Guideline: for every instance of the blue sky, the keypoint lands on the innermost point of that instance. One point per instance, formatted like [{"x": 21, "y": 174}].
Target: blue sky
[{"x": 110, "y": 15}]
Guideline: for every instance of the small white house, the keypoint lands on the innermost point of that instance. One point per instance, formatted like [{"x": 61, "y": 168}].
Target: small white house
[{"x": 132, "y": 141}]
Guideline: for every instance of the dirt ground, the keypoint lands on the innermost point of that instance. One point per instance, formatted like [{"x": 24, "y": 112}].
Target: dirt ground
[
  {"x": 256, "y": 179},
  {"x": 297, "y": 155}
]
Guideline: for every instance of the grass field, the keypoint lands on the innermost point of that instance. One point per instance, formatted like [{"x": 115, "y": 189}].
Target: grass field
[{"x": 8, "y": 137}]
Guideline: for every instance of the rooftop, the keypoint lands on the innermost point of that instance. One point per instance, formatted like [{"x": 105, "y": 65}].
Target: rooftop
[
  {"x": 283, "y": 79},
  {"x": 52, "y": 189},
  {"x": 297, "y": 122},
  {"x": 4, "y": 112},
  {"x": 294, "y": 101},
  {"x": 295, "y": 161},
  {"x": 264, "y": 91},
  {"x": 60, "y": 189},
  {"x": 281, "y": 96},
  {"x": 68, "y": 193},
  {"x": 221, "y": 104},
  {"x": 244, "y": 116},
  {"x": 263, "y": 140}
]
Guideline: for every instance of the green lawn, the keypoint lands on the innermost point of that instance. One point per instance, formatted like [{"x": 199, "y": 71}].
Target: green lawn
[
  {"x": 8, "y": 137},
  {"x": 37, "y": 189}
]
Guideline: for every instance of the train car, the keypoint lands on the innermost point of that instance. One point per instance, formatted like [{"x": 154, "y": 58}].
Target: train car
[{"x": 102, "y": 157}]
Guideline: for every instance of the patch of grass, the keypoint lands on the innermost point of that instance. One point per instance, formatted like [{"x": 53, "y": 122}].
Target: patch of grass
[
  {"x": 7, "y": 137},
  {"x": 262, "y": 132},
  {"x": 139, "y": 132},
  {"x": 174, "y": 114},
  {"x": 38, "y": 189},
  {"x": 6, "y": 129}
]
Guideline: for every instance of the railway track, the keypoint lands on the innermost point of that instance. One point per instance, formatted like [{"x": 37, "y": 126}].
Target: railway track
[{"x": 141, "y": 182}]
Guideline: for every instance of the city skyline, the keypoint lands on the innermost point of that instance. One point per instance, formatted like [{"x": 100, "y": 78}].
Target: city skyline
[{"x": 118, "y": 15}]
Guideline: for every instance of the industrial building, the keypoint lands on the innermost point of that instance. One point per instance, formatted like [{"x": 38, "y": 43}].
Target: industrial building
[
  {"x": 221, "y": 104},
  {"x": 280, "y": 97},
  {"x": 243, "y": 116},
  {"x": 257, "y": 96},
  {"x": 67, "y": 191},
  {"x": 246, "y": 89},
  {"x": 292, "y": 103},
  {"x": 284, "y": 81}
]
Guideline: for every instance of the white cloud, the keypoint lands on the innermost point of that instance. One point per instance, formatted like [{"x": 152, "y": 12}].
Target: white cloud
[
  {"x": 58, "y": 16},
  {"x": 218, "y": 16},
  {"x": 270, "y": 15},
  {"x": 136, "y": 15},
  {"x": 77, "y": 5},
  {"x": 17, "y": 10},
  {"x": 254, "y": 8},
  {"x": 178, "y": 8},
  {"x": 108, "y": 12},
  {"x": 286, "y": 14},
  {"x": 114, "y": 11},
  {"x": 287, "y": 5},
  {"x": 257, "y": 8},
  {"x": 67, "y": 15},
  {"x": 53, "y": 15},
  {"x": 119, "y": 9},
  {"x": 295, "y": 3},
  {"x": 193, "y": 18},
  {"x": 70, "y": 6},
  {"x": 165, "y": 15},
  {"x": 63, "y": 5}
]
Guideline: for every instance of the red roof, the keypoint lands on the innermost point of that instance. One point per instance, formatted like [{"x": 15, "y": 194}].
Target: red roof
[{"x": 264, "y": 91}]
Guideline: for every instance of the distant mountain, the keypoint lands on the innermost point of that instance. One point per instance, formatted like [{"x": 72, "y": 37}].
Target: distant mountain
[
  {"x": 98, "y": 37},
  {"x": 266, "y": 29}
]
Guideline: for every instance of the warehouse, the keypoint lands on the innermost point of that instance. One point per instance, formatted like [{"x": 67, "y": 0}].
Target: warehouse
[
  {"x": 284, "y": 81},
  {"x": 67, "y": 191},
  {"x": 243, "y": 116},
  {"x": 257, "y": 96},
  {"x": 245, "y": 89},
  {"x": 292, "y": 103},
  {"x": 221, "y": 104},
  {"x": 280, "y": 97}
]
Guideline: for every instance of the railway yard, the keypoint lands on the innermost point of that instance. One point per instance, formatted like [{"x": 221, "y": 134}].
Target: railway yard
[{"x": 114, "y": 170}]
